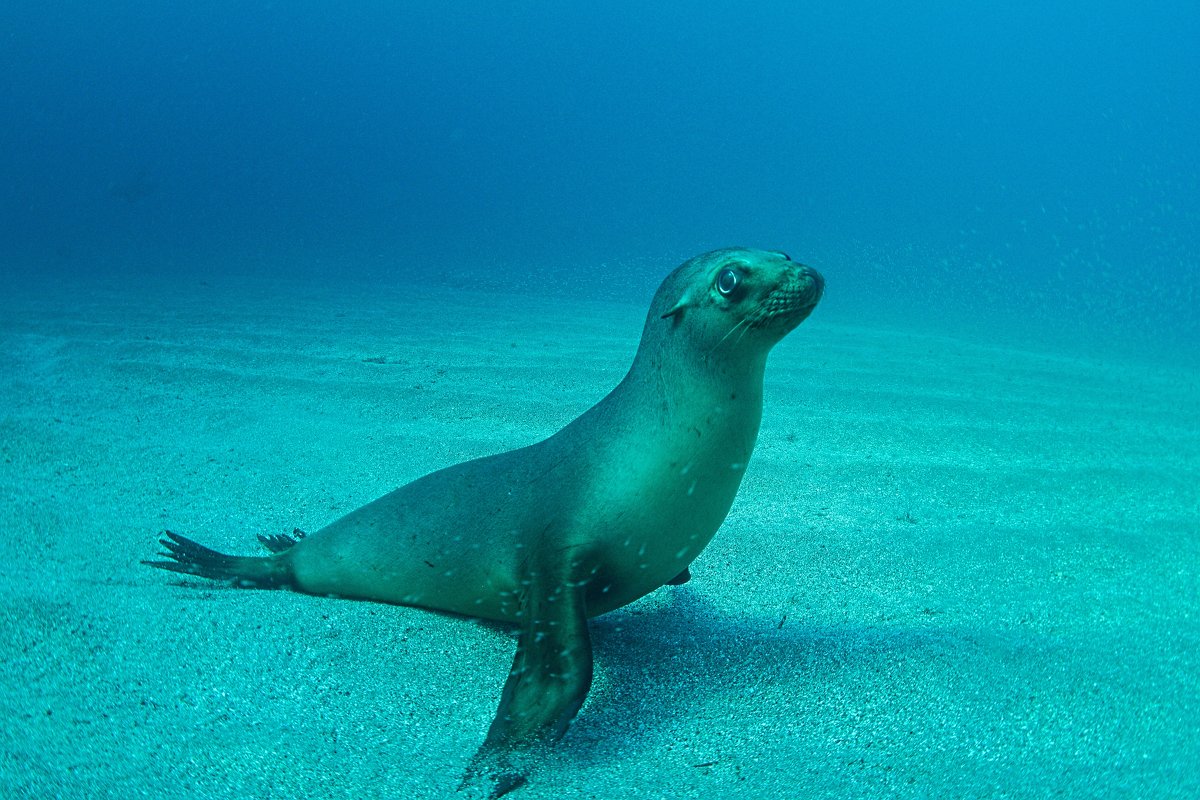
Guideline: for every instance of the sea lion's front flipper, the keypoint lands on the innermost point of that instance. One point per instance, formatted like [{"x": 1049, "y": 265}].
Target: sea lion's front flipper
[
  {"x": 681, "y": 578},
  {"x": 550, "y": 677}
]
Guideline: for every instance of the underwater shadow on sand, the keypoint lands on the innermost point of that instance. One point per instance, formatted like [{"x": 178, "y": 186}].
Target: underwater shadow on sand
[{"x": 689, "y": 652}]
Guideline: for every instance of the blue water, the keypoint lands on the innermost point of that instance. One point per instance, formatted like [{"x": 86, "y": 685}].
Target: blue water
[
  {"x": 936, "y": 159},
  {"x": 1026, "y": 173}
]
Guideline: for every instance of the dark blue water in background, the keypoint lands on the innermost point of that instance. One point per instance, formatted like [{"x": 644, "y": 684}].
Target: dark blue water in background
[{"x": 984, "y": 164}]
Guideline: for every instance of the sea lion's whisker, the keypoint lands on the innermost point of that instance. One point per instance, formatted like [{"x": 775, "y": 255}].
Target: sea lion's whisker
[
  {"x": 743, "y": 321},
  {"x": 751, "y": 324}
]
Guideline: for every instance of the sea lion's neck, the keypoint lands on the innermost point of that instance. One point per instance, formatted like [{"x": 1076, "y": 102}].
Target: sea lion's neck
[{"x": 676, "y": 377}]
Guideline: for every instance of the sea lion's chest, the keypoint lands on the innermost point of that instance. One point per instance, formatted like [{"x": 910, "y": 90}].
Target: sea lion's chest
[{"x": 652, "y": 502}]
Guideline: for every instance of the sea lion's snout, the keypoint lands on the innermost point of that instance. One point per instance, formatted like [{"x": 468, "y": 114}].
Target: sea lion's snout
[
  {"x": 812, "y": 285},
  {"x": 793, "y": 300}
]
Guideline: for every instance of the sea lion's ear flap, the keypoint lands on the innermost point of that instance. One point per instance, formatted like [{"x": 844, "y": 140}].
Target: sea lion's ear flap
[{"x": 683, "y": 303}]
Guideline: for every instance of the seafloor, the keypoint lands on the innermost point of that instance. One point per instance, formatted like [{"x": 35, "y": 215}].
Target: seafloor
[{"x": 954, "y": 569}]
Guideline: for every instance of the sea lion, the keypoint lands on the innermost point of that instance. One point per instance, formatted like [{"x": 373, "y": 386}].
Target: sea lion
[{"x": 616, "y": 504}]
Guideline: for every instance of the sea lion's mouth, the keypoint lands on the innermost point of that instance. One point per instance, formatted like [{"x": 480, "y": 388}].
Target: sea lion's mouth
[{"x": 791, "y": 302}]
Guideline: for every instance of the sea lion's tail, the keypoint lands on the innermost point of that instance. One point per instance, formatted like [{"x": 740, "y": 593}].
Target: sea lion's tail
[{"x": 193, "y": 558}]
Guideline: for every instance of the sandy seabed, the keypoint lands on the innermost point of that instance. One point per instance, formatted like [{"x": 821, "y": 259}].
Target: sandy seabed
[{"x": 954, "y": 570}]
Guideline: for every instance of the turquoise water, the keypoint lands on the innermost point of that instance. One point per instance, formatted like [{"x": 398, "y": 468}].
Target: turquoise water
[
  {"x": 980, "y": 452},
  {"x": 1038, "y": 159}
]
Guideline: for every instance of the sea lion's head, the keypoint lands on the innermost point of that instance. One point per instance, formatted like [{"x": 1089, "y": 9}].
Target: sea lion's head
[{"x": 727, "y": 300}]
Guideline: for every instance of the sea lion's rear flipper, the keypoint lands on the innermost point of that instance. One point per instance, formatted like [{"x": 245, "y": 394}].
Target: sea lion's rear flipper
[
  {"x": 192, "y": 558},
  {"x": 278, "y": 542},
  {"x": 550, "y": 677}
]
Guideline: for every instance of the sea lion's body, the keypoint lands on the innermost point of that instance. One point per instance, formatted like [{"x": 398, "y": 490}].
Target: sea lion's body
[
  {"x": 605, "y": 501},
  {"x": 630, "y": 492},
  {"x": 611, "y": 507}
]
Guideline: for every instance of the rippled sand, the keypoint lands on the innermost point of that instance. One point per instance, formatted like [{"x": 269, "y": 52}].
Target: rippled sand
[{"x": 954, "y": 569}]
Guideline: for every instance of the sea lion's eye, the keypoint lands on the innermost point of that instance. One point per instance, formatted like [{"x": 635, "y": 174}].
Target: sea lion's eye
[{"x": 727, "y": 281}]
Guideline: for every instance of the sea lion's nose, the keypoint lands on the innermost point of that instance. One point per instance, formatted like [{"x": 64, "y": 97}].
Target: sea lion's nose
[{"x": 816, "y": 283}]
